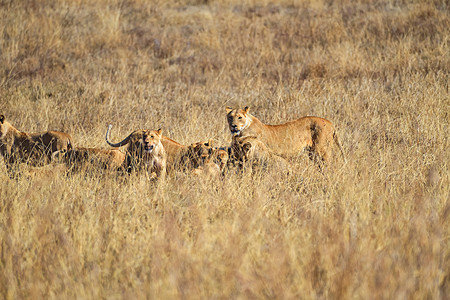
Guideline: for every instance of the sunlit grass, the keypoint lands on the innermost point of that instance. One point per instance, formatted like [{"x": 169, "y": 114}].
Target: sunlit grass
[{"x": 375, "y": 227}]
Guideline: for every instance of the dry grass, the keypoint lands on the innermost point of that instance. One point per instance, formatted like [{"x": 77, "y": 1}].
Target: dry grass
[{"x": 377, "y": 227}]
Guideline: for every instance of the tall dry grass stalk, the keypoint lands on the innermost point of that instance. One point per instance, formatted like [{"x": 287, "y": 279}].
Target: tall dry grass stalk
[{"x": 376, "y": 227}]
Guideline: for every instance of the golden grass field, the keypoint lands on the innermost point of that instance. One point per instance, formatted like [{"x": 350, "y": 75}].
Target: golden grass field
[{"x": 376, "y": 227}]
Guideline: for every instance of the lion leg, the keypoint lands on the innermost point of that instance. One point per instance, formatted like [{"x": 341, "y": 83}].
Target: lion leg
[
  {"x": 157, "y": 174},
  {"x": 162, "y": 174},
  {"x": 44, "y": 145},
  {"x": 12, "y": 165},
  {"x": 322, "y": 141}
]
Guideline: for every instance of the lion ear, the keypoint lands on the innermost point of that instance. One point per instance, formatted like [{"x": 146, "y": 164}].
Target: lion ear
[
  {"x": 246, "y": 109},
  {"x": 159, "y": 131},
  {"x": 228, "y": 109},
  {"x": 2, "y": 119}
]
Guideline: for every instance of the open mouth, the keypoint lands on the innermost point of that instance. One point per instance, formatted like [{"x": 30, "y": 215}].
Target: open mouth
[
  {"x": 148, "y": 148},
  {"x": 235, "y": 131}
]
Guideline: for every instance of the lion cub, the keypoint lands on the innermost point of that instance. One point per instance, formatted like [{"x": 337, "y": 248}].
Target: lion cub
[
  {"x": 196, "y": 154},
  {"x": 154, "y": 156},
  {"x": 203, "y": 157},
  {"x": 251, "y": 152}
]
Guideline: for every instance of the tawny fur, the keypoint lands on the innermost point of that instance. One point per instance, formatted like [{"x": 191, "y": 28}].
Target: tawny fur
[
  {"x": 145, "y": 150},
  {"x": 220, "y": 157},
  {"x": 317, "y": 135},
  {"x": 134, "y": 140},
  {"x": 214, "y": 165},
  {"x": 179, "y": 157},
  {"x": 82, "y": 158},
  {"x": 249, "y": 151},
  {"x": 209, "y": 170},
  {"x": 34, "y": 148},
  {"x": 196, "y": 154},
  {"x": 154, "y": 155},
  {"x": 202, "y": 153}
]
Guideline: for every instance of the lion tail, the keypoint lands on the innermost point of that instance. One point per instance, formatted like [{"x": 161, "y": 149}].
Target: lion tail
[
  {"x": 119, "y": 144},
  {"x": 336, "y": 140}
]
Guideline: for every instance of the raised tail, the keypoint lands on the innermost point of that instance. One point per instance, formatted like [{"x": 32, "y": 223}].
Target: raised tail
[
  {"x": 336, "y": 140},
  {"x": 119, "y": 144}
]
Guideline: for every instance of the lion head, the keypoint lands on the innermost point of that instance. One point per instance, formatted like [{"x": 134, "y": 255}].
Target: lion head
[
  {"x": 198, "y": 153},
  {"x": 151, "y": 138},
  {"x": 238, "y": 119},
  {"x": 4, "y": 126},
  {"x": 220, "y": 157},
  {"x": 241, "y": 148}
]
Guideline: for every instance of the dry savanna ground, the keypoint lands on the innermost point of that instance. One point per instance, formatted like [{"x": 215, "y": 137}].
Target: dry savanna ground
[{"x": 376, "y": 227}]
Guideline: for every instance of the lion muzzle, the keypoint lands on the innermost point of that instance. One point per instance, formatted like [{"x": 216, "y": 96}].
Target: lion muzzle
[{"x": 149, "y": 148}]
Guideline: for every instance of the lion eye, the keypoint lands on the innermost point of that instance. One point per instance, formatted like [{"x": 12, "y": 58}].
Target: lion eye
[
  {"x": 240, "y": 118},
  {"x": 151, "y": 136}
]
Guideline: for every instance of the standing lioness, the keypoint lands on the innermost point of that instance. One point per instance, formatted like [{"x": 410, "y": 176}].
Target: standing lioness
[
  {"x": 145, "y": 151},
  {"x": 135, "y": 141},
  {"x": 154, "y": 156},
  {"x": 315, "y": 134}
]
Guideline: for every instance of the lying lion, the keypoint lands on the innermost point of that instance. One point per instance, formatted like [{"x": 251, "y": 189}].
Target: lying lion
[
  {"x": 214, "y": 165},
  {"x": 203, "y": 157},
  {"x": 195, "y": 155},
  {"x": 82, "y": 158},
  {"x": 34, "y": 148},
  {"x": 315, "y": 134}
]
